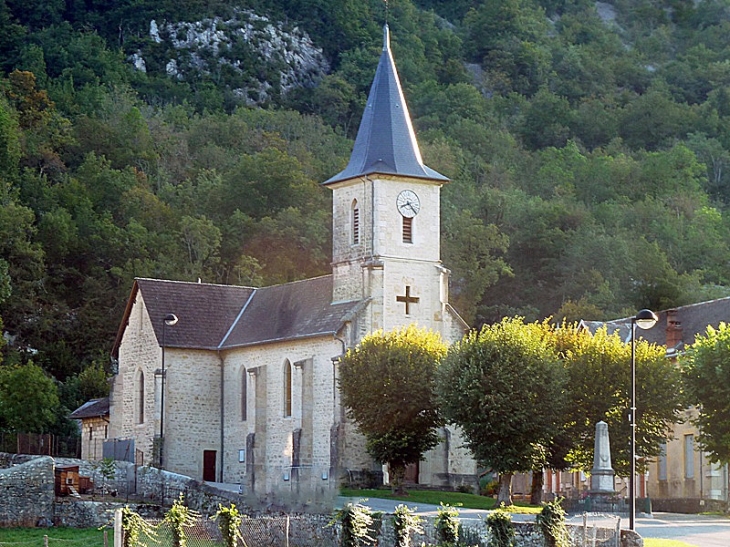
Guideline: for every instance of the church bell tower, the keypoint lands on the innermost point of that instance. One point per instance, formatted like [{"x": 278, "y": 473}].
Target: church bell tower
[{"x": 386, "y": 215}]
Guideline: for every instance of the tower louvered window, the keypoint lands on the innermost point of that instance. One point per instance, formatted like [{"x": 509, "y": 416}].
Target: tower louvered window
[{"x": 407, "y": 230}]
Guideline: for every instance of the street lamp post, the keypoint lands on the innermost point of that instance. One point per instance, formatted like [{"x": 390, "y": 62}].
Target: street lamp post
[
  {"x": 645, "y": 319},
  {"x": 169, "y": 320}
]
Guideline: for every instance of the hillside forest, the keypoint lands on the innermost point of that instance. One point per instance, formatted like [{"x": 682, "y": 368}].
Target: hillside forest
[{"x": 587, "y": 143}]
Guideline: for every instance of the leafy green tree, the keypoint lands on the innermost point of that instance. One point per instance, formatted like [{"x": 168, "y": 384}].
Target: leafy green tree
[
  {"x": 472, "y": 251},
  {"x": 388, "y": 388},
  {"x": 503, "y": 386},
  {"x": 28, "y": 399},
  {"x": 706, "y": 371},
  {"x": 598, "y": 371}
]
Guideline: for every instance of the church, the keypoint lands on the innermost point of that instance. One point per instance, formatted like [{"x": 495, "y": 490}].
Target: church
[{"x": 239, "y": 385}]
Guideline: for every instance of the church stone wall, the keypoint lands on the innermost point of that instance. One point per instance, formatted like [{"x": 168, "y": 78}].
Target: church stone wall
[
  {"x": 280, "y": 439},
  {"x": 347, "y": 257},
  {"x": 389, "y": 222},
  {"x": 192, "y": 409},
  {"x": 138, "y": 351}
]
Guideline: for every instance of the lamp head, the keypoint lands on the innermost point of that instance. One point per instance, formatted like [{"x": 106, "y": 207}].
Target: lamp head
[
  {"x": 645, "y": 319},
  {"x": 170, "y": 319}
]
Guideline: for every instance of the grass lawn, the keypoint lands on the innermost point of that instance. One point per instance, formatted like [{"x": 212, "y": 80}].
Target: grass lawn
[
  {"x": 58, "y": 537},
  {"x": 436, "y": 497},
  {"x": 652, "y": 542}
]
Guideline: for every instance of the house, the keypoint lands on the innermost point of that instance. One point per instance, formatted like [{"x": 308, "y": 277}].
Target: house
[
  {"x": 682, "y": 472},
  {"x": 94, "y": 418},
  {"x": 239, "y": 384}
]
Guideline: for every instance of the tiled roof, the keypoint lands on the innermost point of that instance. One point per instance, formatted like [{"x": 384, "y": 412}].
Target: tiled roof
[
  {"x": 692, "y": 319},
  {"x": 294, "y": 310},
  {"x": 385, "y": 142},
  {"x": 205, "y": 311},
  {"x": 218, "y": 317},
  {"x": 94, "y": 408}
]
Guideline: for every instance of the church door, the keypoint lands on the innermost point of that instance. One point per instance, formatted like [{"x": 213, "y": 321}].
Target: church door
[
  {"x": 209, "y": 457},
  {"x": 411, "y": 474}
]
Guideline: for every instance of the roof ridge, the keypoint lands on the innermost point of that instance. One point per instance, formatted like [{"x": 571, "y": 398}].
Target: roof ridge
[{"x": 177, "y": 281}]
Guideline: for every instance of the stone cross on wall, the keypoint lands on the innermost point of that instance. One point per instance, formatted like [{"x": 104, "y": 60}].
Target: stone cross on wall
[{"x": 407, "y": 299}]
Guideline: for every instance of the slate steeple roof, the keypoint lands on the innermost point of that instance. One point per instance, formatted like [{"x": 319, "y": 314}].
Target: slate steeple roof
[{"x": 386, "y": 143}]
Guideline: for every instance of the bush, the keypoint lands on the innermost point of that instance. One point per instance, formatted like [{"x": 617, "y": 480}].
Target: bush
[
  {"x": 501, "y": 529},
  {"x": 447, "y": 525},
  {"x": 134, "y": 526},
  {"x": 356, "y": 521},
  {"x": 551, "y": 522},
  {"x": 229, "y": 522},
  {"x": 404, "y": 524},
  {"x": 180, "y": 517}
]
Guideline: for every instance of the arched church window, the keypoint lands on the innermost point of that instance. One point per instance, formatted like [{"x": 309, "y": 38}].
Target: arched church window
[
  {"x": 244, "y": 393},
  {"x": 140, "y": 397},
  {"x": 287, "y": 388},
  {"x": 355, "y": 214},
  {"x": 407, "y": 229}
]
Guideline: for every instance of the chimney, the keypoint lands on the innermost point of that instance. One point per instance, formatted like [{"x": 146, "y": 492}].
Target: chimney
[{"x": 674, "y": 329}]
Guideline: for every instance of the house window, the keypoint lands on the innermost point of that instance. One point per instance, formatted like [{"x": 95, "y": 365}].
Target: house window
[
  {"x": 689, "y": 456},
  {"x": 355, "y": 223},
  {"x": 244, "y": 394},
  {"x": 140, "y": 397},
  {"x": 407, "y": 230},
  {"x": 662, "y": 462},
  {"x": 287, "y": 389}
]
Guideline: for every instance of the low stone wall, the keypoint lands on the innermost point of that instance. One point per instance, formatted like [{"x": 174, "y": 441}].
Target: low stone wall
[
  {"x": 27, "y": 493},
  {"x": 688, "y": 505},
  {"x": 27, "y": 499},
  {"x": 95, "y": 514}
]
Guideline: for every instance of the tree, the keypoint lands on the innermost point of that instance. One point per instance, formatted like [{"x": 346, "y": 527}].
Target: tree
[
  {"x": 388, "y": 388},
  {"x": 707, "y": 376},
  {"x": 598, "y": 372},
  {"x": 471, "y": 255},
  {"x": 28, "y": 399},
  {"x": 504, "y": 386}
]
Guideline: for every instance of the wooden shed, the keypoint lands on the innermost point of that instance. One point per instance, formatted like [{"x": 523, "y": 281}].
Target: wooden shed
[{"x": 67, "y": 480}]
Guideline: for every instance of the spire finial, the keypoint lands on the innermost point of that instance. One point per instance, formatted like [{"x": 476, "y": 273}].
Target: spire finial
[
  {"x": 386, "y": 12},
  {"x": 386, "y": 37}
]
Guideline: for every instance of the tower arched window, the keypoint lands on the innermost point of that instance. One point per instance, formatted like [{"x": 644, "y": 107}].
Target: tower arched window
[
  {"x": 287, "y": 388},
  {"x": 244, "y": 394},
  {"x": 140, "y": 397},
  {"x": 355, "y": 217}
]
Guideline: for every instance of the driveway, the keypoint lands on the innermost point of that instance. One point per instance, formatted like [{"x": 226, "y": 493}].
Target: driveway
[{"x": 699, "y": 530}]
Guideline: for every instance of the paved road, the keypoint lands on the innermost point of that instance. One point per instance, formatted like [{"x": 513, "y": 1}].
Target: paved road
[{"x": 698, "y": 530}]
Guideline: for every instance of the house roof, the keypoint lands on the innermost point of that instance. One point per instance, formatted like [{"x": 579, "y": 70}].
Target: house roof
[
  {"x": 692, "y": 320},
  {"x": 219, "y": 317},
  {"x": 95, "y": 408},
  {"x": 283, "y": 312},
  {"x": 386, "y": 143}
]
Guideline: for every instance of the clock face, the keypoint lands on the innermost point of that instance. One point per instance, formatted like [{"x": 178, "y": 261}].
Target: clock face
[{"x": 408, "y": 203}]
